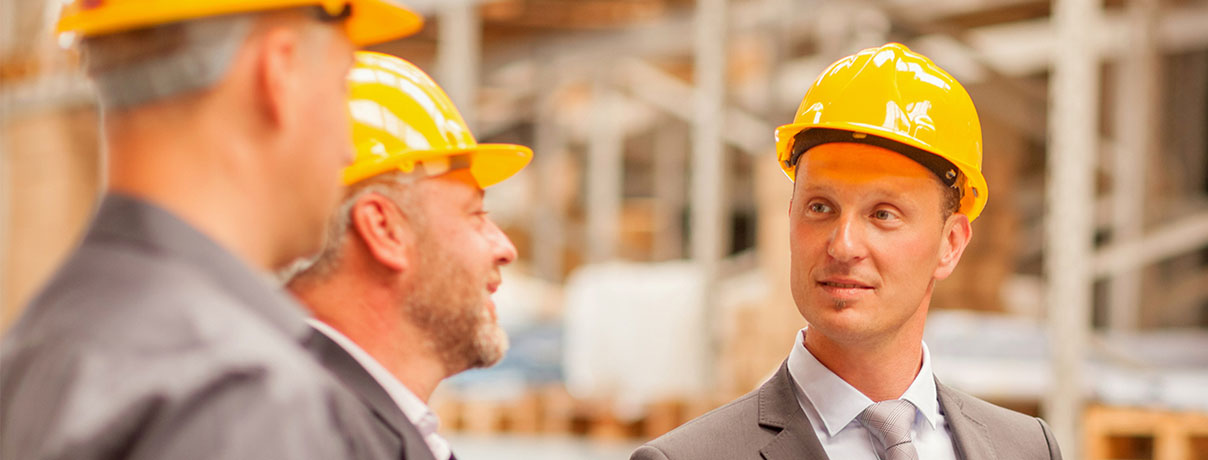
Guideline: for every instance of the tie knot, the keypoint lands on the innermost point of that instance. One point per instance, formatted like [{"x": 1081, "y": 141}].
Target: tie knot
[{"x": 889, "y": 421}]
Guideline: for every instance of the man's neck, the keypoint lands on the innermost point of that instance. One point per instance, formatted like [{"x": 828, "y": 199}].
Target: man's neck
[
  {"x": 189, "y": 177},
  {"x": 882, "y": 370},
  {"x": 391, "y": 341}
]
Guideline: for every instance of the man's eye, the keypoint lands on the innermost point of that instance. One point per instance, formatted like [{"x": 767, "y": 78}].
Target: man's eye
[
  {"x": 882, "y": 214},
  {"x": 819, "y": 208}
]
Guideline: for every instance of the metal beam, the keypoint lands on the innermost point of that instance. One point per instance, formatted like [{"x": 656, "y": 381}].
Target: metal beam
[
  {"x": 709, "y": 203},
  {"x": 1069, "y": 227},
  {"x": 459, "y": 52},
  {"x": 605, "y": 164},
  {"x": 745, "y": 131},
  {"x": 708, "y": 150},
  {"x": 548, "y": 228},
  {"x": 1027, "y": 47},
  {"x": 1178, "y": 237},
  {"x": 1135, "y": 130},
  {"x": 1014, "y": 49},
  {"x": 670, "y": 173}
]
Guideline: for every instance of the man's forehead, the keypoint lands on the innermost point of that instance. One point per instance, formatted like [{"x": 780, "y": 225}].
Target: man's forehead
[
  {"x": 460, "y": 180},
  {"x": 857, "y": 162}
]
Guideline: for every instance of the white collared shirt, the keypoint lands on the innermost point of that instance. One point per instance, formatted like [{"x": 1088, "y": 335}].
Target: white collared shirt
[
  {"x": 420, "y": 415},
  {"x": 831, "y": 405}
]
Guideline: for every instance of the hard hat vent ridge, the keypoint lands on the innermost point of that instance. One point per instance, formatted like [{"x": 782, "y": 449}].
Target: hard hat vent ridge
[{"x": 403, "y": 121}]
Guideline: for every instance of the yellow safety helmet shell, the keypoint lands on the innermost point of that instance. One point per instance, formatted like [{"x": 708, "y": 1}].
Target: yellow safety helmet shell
[
  {"x": 894, "y": 94},
  {"x": 401, "y": 118},
  {"x": 369, "y": 22}
]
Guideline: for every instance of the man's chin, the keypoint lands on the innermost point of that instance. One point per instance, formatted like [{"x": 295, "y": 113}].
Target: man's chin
[{"x": 494, "y": 345}]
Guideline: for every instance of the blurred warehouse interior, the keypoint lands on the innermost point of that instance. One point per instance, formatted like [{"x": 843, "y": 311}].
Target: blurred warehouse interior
[{"x": 654, "y": 203}]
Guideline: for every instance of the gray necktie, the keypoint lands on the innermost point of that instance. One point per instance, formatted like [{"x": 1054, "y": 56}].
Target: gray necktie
[{"x": 890, "y": 422}]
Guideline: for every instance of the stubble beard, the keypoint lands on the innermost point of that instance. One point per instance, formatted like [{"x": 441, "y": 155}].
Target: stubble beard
[{"x": 450, "y": 309}]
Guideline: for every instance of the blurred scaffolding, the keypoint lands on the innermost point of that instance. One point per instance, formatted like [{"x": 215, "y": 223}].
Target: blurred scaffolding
[{"x": 654, "y": 204}]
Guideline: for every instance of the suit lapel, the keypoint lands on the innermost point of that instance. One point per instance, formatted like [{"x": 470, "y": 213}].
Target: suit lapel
[
  {"x": 970, "y": 436},
  {"x": 350, "y": 373},
  {"x": 779, "y": 409}
]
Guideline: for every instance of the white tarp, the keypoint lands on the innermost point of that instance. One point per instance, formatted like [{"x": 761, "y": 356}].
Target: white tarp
[{"x": 635, "y": 333}]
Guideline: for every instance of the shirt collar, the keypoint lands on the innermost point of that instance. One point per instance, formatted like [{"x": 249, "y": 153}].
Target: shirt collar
[
  {"x": 838, "y": 403},
  {"x": 416, "y": 411},
  {"x": 922, "y": 391}
]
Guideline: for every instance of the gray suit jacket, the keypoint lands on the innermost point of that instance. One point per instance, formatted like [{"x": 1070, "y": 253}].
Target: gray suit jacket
[
  {"x": 769, "y": 424},
  {"x": 392, "y": 427},
  {"x": 153, "y": 342}
]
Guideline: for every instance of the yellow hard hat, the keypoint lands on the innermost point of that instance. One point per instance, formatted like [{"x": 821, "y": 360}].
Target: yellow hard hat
[
  {"x": 400, "y": 117},
  {"x": 368, "y": 22},
  {"x": 900, "y": 100}
]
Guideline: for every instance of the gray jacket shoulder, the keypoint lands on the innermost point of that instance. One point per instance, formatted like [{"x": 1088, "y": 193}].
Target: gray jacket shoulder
[
  {"x": 998, "y": 428},
  {"x": 126, "y": 355},
  {"x": 729, "y": 432}
]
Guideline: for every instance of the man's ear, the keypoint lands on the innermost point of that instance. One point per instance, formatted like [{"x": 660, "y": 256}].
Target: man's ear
[
  {"x": 384, "y": 230},
  {"x": 957, "y": 233},
  {"x": 276, "y": 55}
]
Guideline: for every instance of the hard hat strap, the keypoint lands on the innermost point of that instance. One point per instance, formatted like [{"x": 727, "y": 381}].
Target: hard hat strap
[
  {"x": 945, "y": 171},
  {"x": 415, "y": 170},
  {"x": 443, "y": 164},
  {"x": 323, "y": 15}
]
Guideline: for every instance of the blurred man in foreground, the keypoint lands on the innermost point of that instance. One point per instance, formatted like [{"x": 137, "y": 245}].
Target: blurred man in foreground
[
  {"x": 225, "y": 129},
  {"x": 402, "y": 289},
  {"x": 885, "y": 154}
]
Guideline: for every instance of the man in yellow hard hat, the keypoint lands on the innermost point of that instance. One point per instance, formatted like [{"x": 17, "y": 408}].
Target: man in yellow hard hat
[
  {"x": 225, "y": 130},
  {"x": 885, "y": 154},
  {"x": 401, "y": 290}
]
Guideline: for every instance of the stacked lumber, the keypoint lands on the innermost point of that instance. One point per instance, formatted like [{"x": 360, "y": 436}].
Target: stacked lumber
[
  {"x": 1127, "y": 433},
  {"x": 551, "y": 410}
]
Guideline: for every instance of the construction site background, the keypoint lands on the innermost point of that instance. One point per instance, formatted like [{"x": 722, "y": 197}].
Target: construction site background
[{"x": 652, "y": 283}]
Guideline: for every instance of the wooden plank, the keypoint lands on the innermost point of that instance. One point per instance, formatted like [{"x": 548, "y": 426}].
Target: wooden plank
[{"x": 1118, "y": 432}]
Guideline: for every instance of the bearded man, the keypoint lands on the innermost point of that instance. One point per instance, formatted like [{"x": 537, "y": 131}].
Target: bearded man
[{"x": 401, "y": 292}]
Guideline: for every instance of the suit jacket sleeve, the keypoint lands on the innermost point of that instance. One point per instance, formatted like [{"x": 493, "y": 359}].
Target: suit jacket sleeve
[
  {"x": 1054, "y": 450},
  {"x": 241, "y": 416},
  {"x": 648, "y": 452}
]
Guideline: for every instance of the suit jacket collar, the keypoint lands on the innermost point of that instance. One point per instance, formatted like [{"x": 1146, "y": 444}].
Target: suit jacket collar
[
  {"x": 969, "y": 434},
  {"x": 340, "y": 363},
  {"x": 779, "y": 409}
]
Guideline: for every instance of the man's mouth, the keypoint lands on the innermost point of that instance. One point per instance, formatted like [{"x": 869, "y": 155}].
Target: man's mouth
[
  {"x": 841, "y": 285},
  {"x": 844, "y": 289}
]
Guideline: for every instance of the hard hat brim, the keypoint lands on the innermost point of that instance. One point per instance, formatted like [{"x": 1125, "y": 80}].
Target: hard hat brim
[
  {"x": 494, "y": 163},
  {"x": 379, "y": 21},
  {"x": 370, "y": 22},
  {"x": 976, "y": 192},
  {"x": 490, "y": 164}
]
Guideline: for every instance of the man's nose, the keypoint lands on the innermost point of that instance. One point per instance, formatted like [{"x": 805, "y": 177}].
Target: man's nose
[
  {"x": 505, "y": 251},
  {"x": 847, "y": 242}
]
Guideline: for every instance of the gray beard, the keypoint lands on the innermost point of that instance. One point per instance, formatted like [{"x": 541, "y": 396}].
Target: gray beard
[{"x": 451, "y": 312}]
